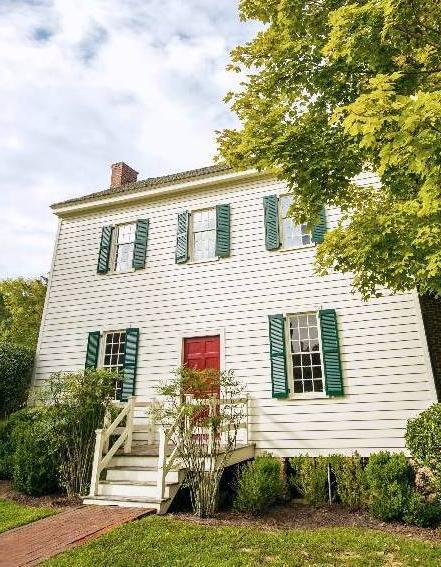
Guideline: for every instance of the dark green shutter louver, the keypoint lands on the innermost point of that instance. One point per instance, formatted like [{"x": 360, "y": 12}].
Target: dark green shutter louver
[
  {"x": 129, "y": 367},
  {"x": 104, "y": 253},
  {"x": 140, "y": 247},
  {"x": 331, "y": 352},
  {"x": 271, "y": 215},
  {"x": 319, "y": 229},
  {"x": 93, "y": 349},
  {"x": 182, "y": 238},
  {"x": 279, "y": 376},
  {"x": 223, "y": 231}
]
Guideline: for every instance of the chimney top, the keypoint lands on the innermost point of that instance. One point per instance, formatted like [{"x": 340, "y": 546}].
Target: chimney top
[{"x": 122, "y": 174}]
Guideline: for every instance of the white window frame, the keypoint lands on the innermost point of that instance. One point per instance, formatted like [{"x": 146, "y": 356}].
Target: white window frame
[
  {"x": 281, "y": 228},
  {"x": 114, "y": 248},
  {"x": 102, "y": 351},
  {"x": 288, "y": 357},
  {"x": 191, "y": 247}
]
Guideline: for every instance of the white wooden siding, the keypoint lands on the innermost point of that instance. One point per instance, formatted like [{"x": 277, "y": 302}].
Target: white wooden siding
[{"x": 386, "y": 375}]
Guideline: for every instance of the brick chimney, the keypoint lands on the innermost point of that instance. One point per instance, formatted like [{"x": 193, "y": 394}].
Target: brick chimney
[{"x": 122, "y": 174}]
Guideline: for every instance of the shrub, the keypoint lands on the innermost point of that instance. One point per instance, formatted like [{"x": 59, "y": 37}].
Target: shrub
[
  {"x": 309, "y": 475},
  {"x": 423, "y": 439},
  {"x": 77, "y": 403},
  {"x": 350, "y": 480},
  {"x": 15, "y": 375},
  {"x": 260, "y": 484},
  {"x": 7, "y": 444},
  {"x": 388, "y": 478},
  {"x": 422, "y": 512},
  {"x": 34, "y": 465},
  {"x": 206, "y": 437}
]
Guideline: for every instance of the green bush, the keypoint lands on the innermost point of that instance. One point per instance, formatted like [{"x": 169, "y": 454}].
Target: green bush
[
  {"x": 388, "y": 478},
  {"x": 423, "y": 439},
  {"x": 260, "y": 484},
  {"x": 422, "y": 512},
  {"x": 7, "y": 444},
  {"x": 309, "y": 475},
  {"x": 350, "y": 480},
  {"x": 16, "y": 364},
  {"x": 34, "y": 465},
  {"x": 76, "y": 405}
]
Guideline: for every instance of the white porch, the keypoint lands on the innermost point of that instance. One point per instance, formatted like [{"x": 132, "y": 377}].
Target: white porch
[{"x": 137, "y": 464}]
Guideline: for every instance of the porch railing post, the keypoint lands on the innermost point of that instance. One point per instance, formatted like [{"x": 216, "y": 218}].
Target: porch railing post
[
  {"x": 161, "y": 464},
  {"x": 247, "y": 422},
  {"x": 129, "y": 425},
  {"x": 96, "y": 463}
]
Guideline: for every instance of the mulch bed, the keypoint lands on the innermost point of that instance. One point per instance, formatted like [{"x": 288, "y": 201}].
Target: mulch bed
[
  {"x": 49, "y": 501},
  {"x": 299, "y": 516}
]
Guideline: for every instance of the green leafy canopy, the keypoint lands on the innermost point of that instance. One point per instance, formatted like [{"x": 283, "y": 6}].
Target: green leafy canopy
[{"x": 333, "y": 89}]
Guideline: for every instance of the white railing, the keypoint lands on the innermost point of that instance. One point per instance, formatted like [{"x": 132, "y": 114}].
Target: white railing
[
  {"x": 124, "y": 435},
  {"x": 165, "y": 462}
]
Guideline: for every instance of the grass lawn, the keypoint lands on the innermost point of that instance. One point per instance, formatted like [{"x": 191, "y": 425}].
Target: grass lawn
[
  {"x": 13, "y": 515},
  {"x": 166, "y": 542}
]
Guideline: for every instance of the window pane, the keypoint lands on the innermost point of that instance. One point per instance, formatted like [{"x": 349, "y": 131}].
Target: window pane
[
  {"x": 126, "y": 233},
  {"x": 305, "y": 353},
  {"x": 293, "y": 235},
  {"x": 285, "y": 203},
  {"x": 124, "y": 257},
  {"x": 204, "y": 235}
]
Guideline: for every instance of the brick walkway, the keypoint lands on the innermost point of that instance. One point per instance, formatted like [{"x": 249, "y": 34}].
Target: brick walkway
[{"x": 35, "y": 542}]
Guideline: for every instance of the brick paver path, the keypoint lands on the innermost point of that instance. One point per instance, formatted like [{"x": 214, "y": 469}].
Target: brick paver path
[{"x": 35, "y": 542}]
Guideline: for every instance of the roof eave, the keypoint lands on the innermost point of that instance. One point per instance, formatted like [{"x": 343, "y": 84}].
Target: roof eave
[{"x": 115, "y": 199}]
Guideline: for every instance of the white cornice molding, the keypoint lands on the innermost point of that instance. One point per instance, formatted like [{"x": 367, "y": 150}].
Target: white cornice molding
[{"x": 148, "y": 193}]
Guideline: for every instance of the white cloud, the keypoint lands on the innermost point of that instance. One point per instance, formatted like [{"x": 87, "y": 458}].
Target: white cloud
[{"x": 85, "y": 84}]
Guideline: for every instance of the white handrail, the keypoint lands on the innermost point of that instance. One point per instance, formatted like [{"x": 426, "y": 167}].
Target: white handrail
[
  {"x": 103, "y": 454},
  {"x": 165, "y": 464}
]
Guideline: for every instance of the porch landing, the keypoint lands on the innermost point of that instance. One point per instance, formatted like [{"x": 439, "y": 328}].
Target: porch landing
[{"x": 33, "y": 543}]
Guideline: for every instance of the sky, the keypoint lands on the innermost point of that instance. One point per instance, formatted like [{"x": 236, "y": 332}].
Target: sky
[{"x": 87, "y": 83}]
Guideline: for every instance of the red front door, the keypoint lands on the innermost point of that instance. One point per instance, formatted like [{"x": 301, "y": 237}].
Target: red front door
[{"x": 202, "y": 352}]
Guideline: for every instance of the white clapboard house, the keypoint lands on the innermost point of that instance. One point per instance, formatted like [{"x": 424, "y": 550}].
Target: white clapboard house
[{"x": 204, "y": 268}]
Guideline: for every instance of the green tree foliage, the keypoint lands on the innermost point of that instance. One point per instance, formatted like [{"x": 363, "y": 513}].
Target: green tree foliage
[
  {"x": 334, "y": 89},
  {"x": 16, "y": 364},
  {"x": 21, "y": 307}
]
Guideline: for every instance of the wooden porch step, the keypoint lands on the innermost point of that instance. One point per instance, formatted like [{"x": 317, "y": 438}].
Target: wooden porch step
[{"x": 135, "y": 482}]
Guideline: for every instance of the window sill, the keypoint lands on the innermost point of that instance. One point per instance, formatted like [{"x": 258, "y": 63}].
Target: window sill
[
  {"x": 118, "y": 273},
  {"x": 207, "y": 261},
  {"x": 309, "y": 396},
  {"x": 296, "y": 248}
]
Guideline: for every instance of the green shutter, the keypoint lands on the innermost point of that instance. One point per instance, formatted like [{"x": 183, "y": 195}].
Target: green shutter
[
  {"x": 93, "y": 349},
  {"x": 278, "y": 356},
  {"x": 319, "y": 229},
  {"x": 129, "y": 367},
  {"x": 182, "y": 238},
  {"x": 271, "y": 213},
  {"x": 104, "y": 253},
  {"x": 331, "y": 352},
  {"x": 223, "y": 231},
  {"x": 140, "y": 247}
]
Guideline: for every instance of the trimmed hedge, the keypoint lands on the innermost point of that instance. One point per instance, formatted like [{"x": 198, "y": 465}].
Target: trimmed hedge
[
  {"x": 260, "y": 484},
  {"x": 16, "y": 364},
  {"x": 18, "y": 419},
  {"x": 35, "y": 466}
]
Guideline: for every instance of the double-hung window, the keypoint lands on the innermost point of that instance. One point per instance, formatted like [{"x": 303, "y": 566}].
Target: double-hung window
[
  {"x": 304, "y": 351},
  {"x": 203, "y": 245},
  {"x": 292, "y": 235},
  {"x": 113, "y": 355},
  {"x": 124, "y": 239}
]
